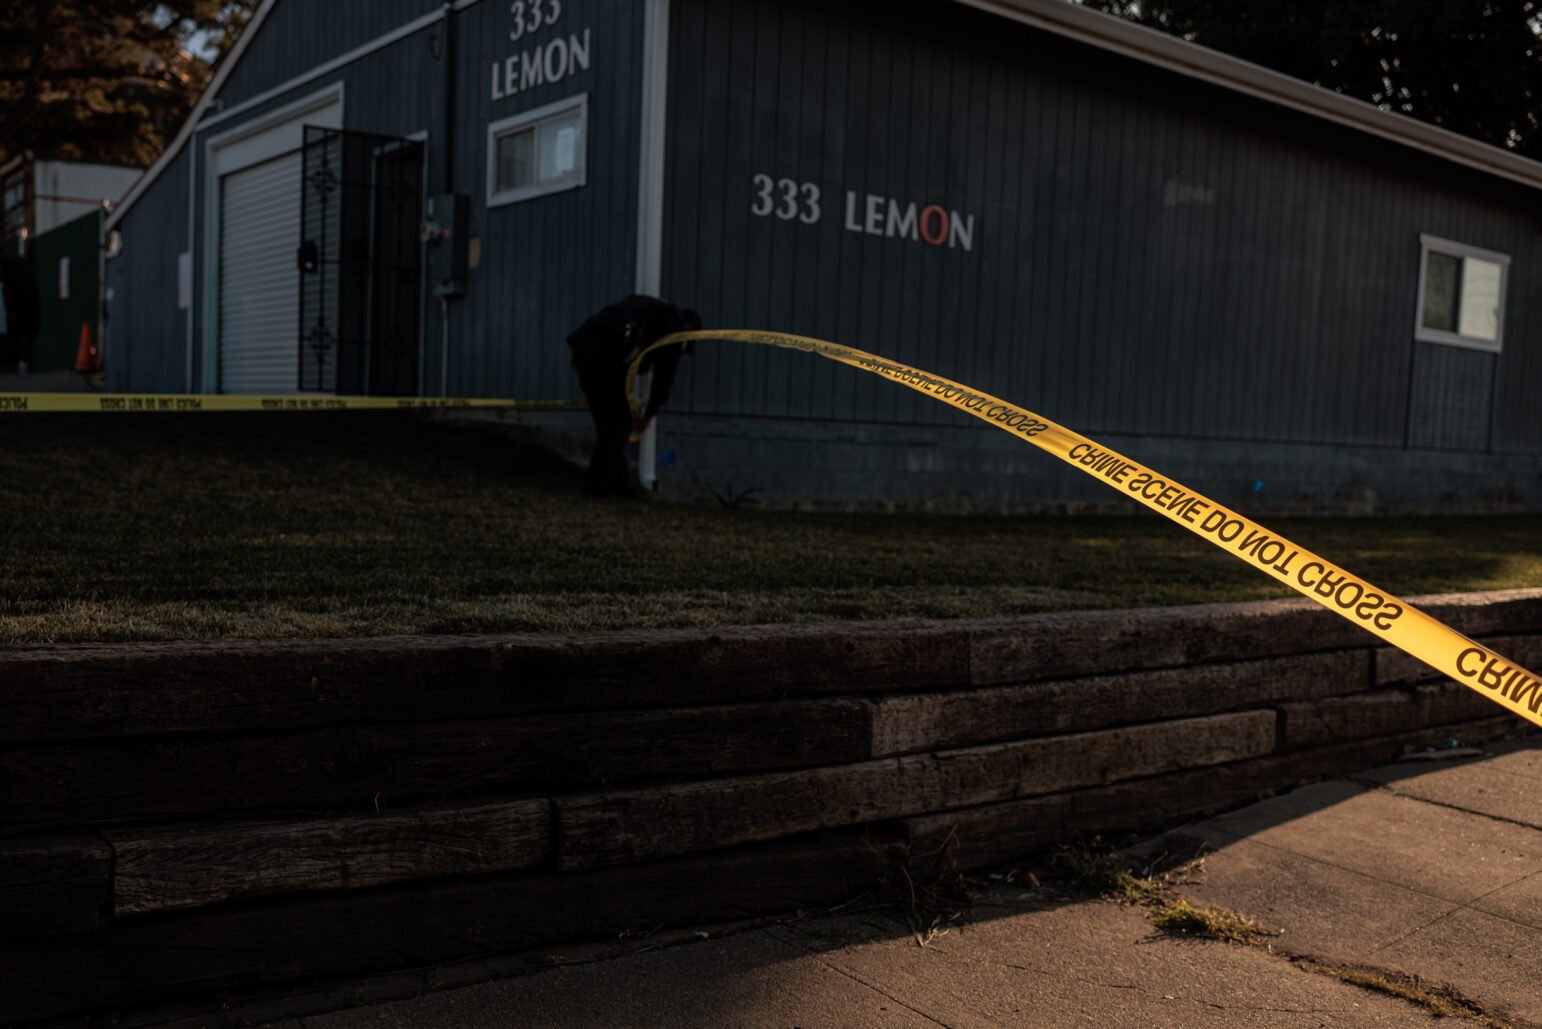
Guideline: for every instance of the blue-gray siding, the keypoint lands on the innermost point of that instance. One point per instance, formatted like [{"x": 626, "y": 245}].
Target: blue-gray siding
[
  {"x": 299, "y": 35},
  {"x": 1152, "y": 255},
  {"x": 545, "y": 263},
  {"x": 1203, "y": 278},
  {"x": 146, "y": 334}
]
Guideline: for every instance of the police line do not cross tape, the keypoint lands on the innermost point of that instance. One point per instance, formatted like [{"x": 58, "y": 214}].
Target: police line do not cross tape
[
  {"x": 1375, "y": 610},
  {"x": 141, "y": 403}
]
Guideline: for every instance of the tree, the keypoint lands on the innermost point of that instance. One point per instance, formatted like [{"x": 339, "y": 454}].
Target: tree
[
  {"x": 108, "y": 81},
  {"x": 1473, "y": 67}
]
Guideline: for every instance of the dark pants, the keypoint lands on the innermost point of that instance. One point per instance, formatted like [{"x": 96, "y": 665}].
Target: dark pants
[{"x": 609, "y": 472}]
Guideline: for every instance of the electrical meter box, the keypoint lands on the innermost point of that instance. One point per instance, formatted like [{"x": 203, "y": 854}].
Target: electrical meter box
[{"x": 446, "y": 232}]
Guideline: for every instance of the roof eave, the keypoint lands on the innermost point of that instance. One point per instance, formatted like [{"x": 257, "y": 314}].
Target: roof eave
[
  {"x": 1199, "y": 62},
  {"x": 1096, "y": 29}
]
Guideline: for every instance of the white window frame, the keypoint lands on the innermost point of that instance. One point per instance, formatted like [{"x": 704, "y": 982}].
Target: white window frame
[
  {"x": 1434, "y": 244},
  {"x": 529, "y": 120}
]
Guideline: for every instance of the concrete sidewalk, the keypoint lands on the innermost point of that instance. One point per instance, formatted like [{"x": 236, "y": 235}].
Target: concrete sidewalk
[{"x": 1423, "y": 874}]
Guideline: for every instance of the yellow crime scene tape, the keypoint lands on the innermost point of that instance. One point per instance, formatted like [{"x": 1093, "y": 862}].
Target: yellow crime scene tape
[
  {"x": 1375, "y": 610},
  {"x": 53, "y": 403}
]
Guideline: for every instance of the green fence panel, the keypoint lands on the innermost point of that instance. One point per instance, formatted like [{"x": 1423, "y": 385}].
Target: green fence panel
[{"x": 68, "y": 266}]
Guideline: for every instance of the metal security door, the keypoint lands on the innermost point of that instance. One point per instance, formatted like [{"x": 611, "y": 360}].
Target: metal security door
[
  {"x": 396, "y": 284},
  {"x": 360, "y": 263}
]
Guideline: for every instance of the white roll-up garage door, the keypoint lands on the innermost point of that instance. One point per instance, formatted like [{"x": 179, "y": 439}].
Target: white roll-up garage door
[{"x": 259, "y": 313}]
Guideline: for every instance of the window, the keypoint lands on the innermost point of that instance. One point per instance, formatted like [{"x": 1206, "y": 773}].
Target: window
[
  {"x": 538, "y": 152},
  {"x": 1461, "y": 295}
]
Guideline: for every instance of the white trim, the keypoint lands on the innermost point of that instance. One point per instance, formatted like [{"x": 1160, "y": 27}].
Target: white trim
[
  {"x": 1149, "y": 46},
  {"x": 192, "y": 250},
  {"x": 261, "y": 139},
  {"x": 652, "y": 147},
  {"x": 264, "y": 138},
  {"x": 1451, "y": 248},
  {"x": 529, "y": 120},
  {"x": 422, "y": 136},
  {"x": 100, "y": 315},
  {"x": 1452, "y": 339},
  {"x": 650, "y": 194},
  {"x": 1057, "y": 16}
]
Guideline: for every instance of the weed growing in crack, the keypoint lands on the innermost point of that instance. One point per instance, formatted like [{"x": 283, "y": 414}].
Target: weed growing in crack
[
  {"x": 1106, "y": 875},
  {"x": 931, "y": 893},
  {"x": 1442, "y": 1001},
  {"x": 1185, "y": 918}
]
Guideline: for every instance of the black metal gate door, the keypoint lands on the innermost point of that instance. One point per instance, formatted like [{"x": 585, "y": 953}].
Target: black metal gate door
[{"x": 361, "y": 287}]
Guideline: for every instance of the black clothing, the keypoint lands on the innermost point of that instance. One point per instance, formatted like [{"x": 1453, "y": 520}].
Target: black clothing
[
  {"x": 603, "y": 348},
  {"x": 608, "y": 473},
  {"x": 23, "y": 309}
]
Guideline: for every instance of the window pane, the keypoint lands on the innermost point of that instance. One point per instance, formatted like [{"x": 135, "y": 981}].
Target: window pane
[
  {"x": 561, "y": 147},
  {"x": 1440, "y": 274},
  {"x": 516, "y": 160},
  {"x": 1480, "y": 299}
]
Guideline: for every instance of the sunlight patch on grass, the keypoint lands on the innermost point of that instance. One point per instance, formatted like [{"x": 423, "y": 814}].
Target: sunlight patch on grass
[{"x": 318, "y": 525}]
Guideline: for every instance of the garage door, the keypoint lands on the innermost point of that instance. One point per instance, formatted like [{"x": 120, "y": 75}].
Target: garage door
[{"x": 259, "y": 312}]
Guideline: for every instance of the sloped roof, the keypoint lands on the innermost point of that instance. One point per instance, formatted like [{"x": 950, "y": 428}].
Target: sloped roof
[
  {"x": 1149, "y": 46},
  {"x": 1094, "y": 28}
]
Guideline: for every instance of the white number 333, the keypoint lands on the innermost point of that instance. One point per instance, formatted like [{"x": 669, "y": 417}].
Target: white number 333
[{"x": 786, "y": 199}]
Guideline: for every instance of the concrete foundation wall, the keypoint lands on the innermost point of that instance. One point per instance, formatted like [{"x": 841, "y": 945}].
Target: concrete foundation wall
[{"x": 945, "y": 467}]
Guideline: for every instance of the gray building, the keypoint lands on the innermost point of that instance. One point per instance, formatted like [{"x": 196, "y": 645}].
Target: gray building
[{"x": 1278, "y": 295}]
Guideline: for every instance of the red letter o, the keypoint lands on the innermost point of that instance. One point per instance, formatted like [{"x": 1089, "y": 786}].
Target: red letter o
[{"x": 942, "y": 219}]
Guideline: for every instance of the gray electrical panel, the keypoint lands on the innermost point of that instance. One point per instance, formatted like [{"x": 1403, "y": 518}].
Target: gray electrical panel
[{"x": 446, "y": 232}]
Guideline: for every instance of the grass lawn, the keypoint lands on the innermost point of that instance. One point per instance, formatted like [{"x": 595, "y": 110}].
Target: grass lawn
[{"x": 201, "y": 526}]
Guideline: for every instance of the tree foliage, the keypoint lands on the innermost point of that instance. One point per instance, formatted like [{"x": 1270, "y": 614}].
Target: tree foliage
[
  {"x": 108, "y": 81},
  {"x": 1473, "y": 66}
]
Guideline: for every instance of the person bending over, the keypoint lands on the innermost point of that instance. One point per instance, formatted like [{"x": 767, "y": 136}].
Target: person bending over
[{"x": 603, "y": 348}]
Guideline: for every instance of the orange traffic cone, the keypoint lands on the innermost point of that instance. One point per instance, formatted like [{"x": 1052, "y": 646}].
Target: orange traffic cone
[{"x": 87, "y": 359}]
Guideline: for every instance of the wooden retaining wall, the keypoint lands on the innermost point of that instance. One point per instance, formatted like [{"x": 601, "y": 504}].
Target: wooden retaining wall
[{"x": 177, "y": 820}]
